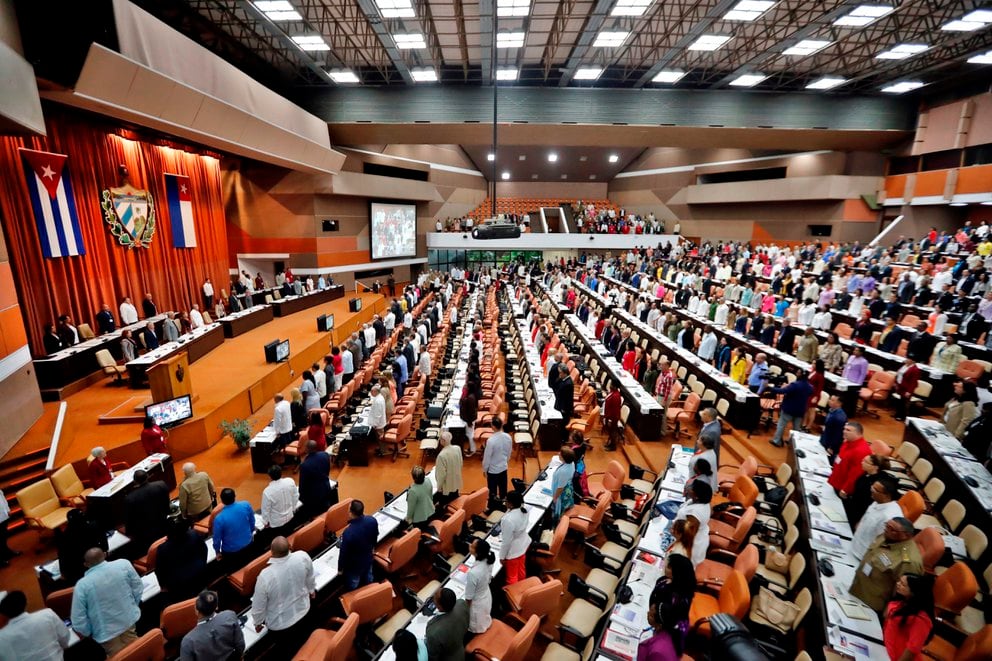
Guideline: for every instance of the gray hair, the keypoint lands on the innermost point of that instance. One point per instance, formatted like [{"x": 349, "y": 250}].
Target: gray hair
[
  {"x": 189, "y": 468},
  {"x": 445, "y": 439},
  {"x": 98, "y": 451}
]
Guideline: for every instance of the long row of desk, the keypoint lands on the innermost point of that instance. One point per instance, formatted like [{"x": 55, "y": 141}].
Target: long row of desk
[{"x": 197, "y": 344}]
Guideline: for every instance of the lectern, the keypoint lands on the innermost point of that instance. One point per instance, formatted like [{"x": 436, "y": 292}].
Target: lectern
[{"x": 170, "y": 378}]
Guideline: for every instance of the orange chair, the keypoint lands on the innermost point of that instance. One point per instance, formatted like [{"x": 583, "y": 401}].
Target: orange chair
[
  {"x": 503, "y": 643},
  {"x": 931, "y": 545},
  {"x": 954, "y": 589},
  {"x": 610, "y": 482},
  {"x": 881, "y": 448},
  {"x": 912, "y": 505},
  {"x": 309, "y": 537},
  {"x": 370, "y": 602},
  {"x": 206, "y": 526},
  {"x": 734, "y": 598},
  {"x": 976, "y": 647},
  {"x": 743, "y": 491},
  {"x": 729, "y": 537},
  {"x": 878, "y": 389},
  {"x": 685, "y": 414},
  {"x": 178, "y": 619},
  {"x": 443, "y": 539},
  {"x": 970, "y": 370},
  {"x": 531, "y": 597},
  {"x": 243, "y": 580},
  {"x": 337, "y": 517},
  {"x": 728, "y": 473},
  {"x": 545, "y": 558},
  {"x": 397, "y": 437},
  {"x": 60, "y": 601},
  {"x": 586, "y": 520},
  {"x": 327, "y": 645},
  {"x": 150, "y": 647},
  {"x": 394, "y": 554},
  {"x": 715, "y": 572},
  {"x": 473, "y": 503},
  {"x": 146, "y": 564},
  {"x": 69, "y": 487}
]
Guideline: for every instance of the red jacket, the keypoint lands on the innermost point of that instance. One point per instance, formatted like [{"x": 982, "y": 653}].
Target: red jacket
[
  {"x": 99, "y": 473},
  {"x": 153, "y": 440},
  {"x": 847, "y": 466},
  {"x": 628, "y": 361},
  {"x": 910, "y": 379},
  {"x": 611, "y": 407}
]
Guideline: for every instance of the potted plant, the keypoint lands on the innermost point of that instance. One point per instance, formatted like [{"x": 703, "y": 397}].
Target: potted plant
[{"x": 240, "y": 429}]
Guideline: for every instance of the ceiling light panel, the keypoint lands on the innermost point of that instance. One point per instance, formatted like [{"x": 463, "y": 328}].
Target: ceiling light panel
[
  {"x": 423, "y": 75},
  {"x": 975, "y": 20},
  {"x": 395, "y": 8},
  {"x": 506, "y": 175},
  {"x": 311, "y": 42},
  {"x": 278, "y": 10},
  {"x": 806, "y": 47},
  {"x": 903, "y": 87},
  {"x": 610, "y": 39},
  {"x": 588, "y": 73},
  {"x": 410, "y": 41},
  {"x": 510, "y": 39},
  {"x": 630, "y": 7},
  {"x": 748, "y": 10},
  {"x": 984, "y": 58},
  {"x": 614, "y": 158},
  {"x": 862, "y": 15},
  {"x": 668, "y": 77},
  {"x": 552, "y": 157},
  {"x": 902, "y": 51},
  {"x": 512, "y": 7},
  {"x": 826, "y": 83},
  {"x": 748, "y": 80},
  {"x": 343, "y": 76},
  {"x": 709, "y": 42},
  {"x": 490, "y": 157},
  {"x": 506, "y": 74}
]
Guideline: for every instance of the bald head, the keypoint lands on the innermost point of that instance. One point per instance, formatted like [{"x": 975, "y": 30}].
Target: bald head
[
  {"x": 279, "y": 547},
  {"x": 189, "y": 469},
  {"x": 94, "y": 556}
]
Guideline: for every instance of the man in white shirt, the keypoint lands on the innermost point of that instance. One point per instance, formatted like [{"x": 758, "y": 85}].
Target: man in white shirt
[
  {"x": 496, "y": 460},
  {"x": 129, "y": 314},
  {"x": 347, "y": 365},
  {"x": 282, "y": 421},
  {"x": 282, "y": 597},
  {"x": 377, "y": 416},
  {"x": 806, "y": 313},
  {"x": 389, "y": 321},
  {"x": 424, "y": 364},
  {"x": 208, "y": 295},
  {"x": 368, "y": 338},
  {"x": 196, "y": 317},
  {"x": 722, "y": 311},
  {"x": 872, "y": 524},
  {"x": 320, "y": 382},
  {"x": 279, "y": 502},
  {"x": 37, "y": 636}
]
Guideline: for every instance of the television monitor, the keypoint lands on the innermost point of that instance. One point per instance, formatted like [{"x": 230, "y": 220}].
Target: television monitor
[
  {"x": 393, "y": 229},
  {"x": 171, "y": 412},
  {"x": 270, "y": 351},
  {"x": 322, "y": 323},
  {"x": 282, "y": 351},
  {"x": 329, "y": 323}
]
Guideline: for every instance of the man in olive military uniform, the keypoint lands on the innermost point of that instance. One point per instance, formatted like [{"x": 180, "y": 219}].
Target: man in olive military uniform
[{"x": 892, "y": 554}]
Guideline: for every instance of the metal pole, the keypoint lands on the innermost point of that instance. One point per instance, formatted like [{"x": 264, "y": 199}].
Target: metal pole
[{"x": 492, "y": 72}]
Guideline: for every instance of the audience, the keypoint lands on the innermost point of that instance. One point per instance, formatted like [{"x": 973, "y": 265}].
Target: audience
[
  {"x": 106, "y": 602},
  {"x": 216, "y": 635},
  {"x": 197, "y": 496},
  {"x": 445, "y": 636},
  {"x": 357, "y": 545},
  {"x": 283, "y": 593},
  {"x": 37, "y": 636}
]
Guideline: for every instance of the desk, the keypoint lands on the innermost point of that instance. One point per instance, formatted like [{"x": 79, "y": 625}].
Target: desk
[
  {"x": 452, "y": 422},
  {"x": 105, "y": 506},
  {"x": 246, "y": 320},
  {"x": 291, "y": 304},
  {"x": 197, "y": 344}
]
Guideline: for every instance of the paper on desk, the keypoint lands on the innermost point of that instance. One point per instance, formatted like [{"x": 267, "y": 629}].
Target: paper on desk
[
  {"x": 621, "y": 644},
  {"x": 853, "y": 645}
]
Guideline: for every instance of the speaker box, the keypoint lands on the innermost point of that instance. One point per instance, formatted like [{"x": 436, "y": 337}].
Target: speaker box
[
  {"x": 329, "y": 225},
  {"x": 355, "y": 304}
]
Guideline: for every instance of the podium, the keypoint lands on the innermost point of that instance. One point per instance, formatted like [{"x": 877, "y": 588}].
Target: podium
[{"x": 170, "y": 378}]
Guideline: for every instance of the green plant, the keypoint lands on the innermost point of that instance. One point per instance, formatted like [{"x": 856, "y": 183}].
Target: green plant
[{"x": 240, "y": 429}]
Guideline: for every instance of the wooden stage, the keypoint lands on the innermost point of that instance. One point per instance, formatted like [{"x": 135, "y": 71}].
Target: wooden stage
[{"x": 232, "y": 381}]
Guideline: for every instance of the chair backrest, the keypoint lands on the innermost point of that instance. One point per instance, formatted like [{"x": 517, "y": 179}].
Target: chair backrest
[
  {"x": 370, "y": 602},
  {"x": 922, "y": 470},
  {"x": 337, "y": 517},
  {"x": 882, "y": 381},
  {"x": 60, "y": 601},
  {"x": 541, "y": 599},
  {"x": 150, "y": 647},
  {"x": 106, "y": 361},
  {"x": 404, "y": 550},
  {"x": 602, "y": 505},
  {"x": 85, "y": 331},
  {"x": 783, "y": 475},
  {"x": 955, "y": 588},
  {"x": 244, "y": 579},
  {"x": 476, "y": 503},
  {"x": 744, "y": 491},
  {"x": 178, "y": 619},
  {"x": 790, "y": 513},
  {"x": 804, "y": 600},
  {"x": 791, "y": 537},
  {"x": 744, "y": 524},
  {"x": 66, "y": 482},
  {"x": 749, "y": 466},
  {"x": 975, "y": 541},
  {"x": 969, "y": 369},
  {"x": 977, "y": 646},
  {"x": 309, "y": 537},
  {"x": 912, "y": 505},
  {"x": 451, "y": 527},
  {"x": 735, "y": 597},
  {"x": 152, "y": 556},
  {"x": 954, "y": 513},
  {"x": 931, "y": 545},
  {"x": 908, "y": 452},
  {"x": 558, "y": 538},
  {"x": 797, "y": 565},
  {"x": 318, "y": 645},
  {"x": 613, "y": 478},
  {"x": 213, "y": 515},
  {"x": 522, "y": 641},
  {"x": 881, "y": 448},
  {"x": 692, "y": 403},
  {"x": 403, "y": 428},
  {"x": 933, "y": 490},
  {"x": 38, "y": 499},
  {"x": 747, "y": 561},
  {"x": 343, "y": 639}
]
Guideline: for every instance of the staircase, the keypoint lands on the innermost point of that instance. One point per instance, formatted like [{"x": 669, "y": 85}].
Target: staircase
[{"x": 17, "y": 473}]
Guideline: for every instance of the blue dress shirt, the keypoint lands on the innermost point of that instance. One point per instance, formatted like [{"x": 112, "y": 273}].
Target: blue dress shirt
[
  {"x": 233, "y": 527},
  {"x": 106, "y": 600}
]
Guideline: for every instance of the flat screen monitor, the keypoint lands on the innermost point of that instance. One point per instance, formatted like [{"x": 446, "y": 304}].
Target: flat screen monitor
[
  {"x": 171, "y": 412},
  {"x": 329, "y": 323},
  {"x": 282, "y": 351},
  {"x": 322, "y": 323},
  {"x": 393, "y": 229},
  {"x": 270, "y": 351}
]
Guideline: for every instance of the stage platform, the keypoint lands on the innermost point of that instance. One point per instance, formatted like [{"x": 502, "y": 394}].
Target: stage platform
[{"x": 232, "y": 381}]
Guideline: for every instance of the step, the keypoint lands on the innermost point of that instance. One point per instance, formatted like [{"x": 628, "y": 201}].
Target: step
[
  {"x": 29, "y": 457},
  {"x": 14, "y": 484},
  {"x": 8, "y": 473}
]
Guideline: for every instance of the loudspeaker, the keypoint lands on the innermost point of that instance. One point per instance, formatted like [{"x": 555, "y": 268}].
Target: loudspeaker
[
  {"x": 355, "y": 304},
  {"x": 329, "y": 225}
]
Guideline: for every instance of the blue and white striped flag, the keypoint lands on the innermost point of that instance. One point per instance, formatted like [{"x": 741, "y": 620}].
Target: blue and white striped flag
[
  {"x": 53, "y": 203},
  {"x": 180, "y": 201}
]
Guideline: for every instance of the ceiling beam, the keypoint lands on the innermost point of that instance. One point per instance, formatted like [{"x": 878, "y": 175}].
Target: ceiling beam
[
  {"x": 594, "y": 21},
  {"x": 371, "y": 12},
  {"x": 263, "y": 21},
  {"x": 565, "y": 8},
  {"x": 487, "y": 33}
]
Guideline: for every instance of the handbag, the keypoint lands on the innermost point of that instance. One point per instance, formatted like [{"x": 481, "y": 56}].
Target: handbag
[
  {"x": 779, "y": 613},
  {"x": 778, "y": 562},
  {"x": 771, "y": 533}
]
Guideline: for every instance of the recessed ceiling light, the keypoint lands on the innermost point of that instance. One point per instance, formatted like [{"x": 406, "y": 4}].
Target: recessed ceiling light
[
  {"x": 978, "y": 16},
  {"x": 564, "y": 176},
  {"x": 610, "y": 39},
  {"x": 588, "y": 73},
  {"x": 958, "y": 204},
  {"x": 903, "y": 87},
  {"x": 962, "y": 26},
  {"x": 506, "y": 74},
  {"x": 748, "y": 10},
  {"x": 510, "y": 39},
  {"x": 395, "y": 8},
  {"x": 748, "y": 80},
  {"x": 806, "y": 47},
  {"x": 278, "y": 10},
  {"x": 902, "y": 51},
  {"x": 984, "y": 58},
  {"x": 424, "y": 75},
  {"x": 553, "y": 157},
  {"x": 826, "y": 83},
  {"x": 512, "y": 7},
  {"x": 630, "y": 7},
  {"x": 343, "y": 76},
  {"x": 987, "y": 203},
  {"x": 863, "y": 15},
  {"x": 709, "y": 42},
  {"x": 311, "y": 42},
  {"x": 583, "y": 158},
  {"x": 490, "y": 157},
  {"x": 413, "y": 40},
  {"x": 506, "y": 175},
  {"x": 614, "y": 158},
  {"x": 533, "y": 176},
  {"x": 668, "y": 77},
  {"x": 592, "y": 176},
  {"x": 522, "y": 157}
]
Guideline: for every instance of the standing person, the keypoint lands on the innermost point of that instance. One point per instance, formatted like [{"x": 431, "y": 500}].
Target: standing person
[
  {"x": 961, "y": 409},
  {"x": 891, "y": 555},
  {"x": 664, "y": 643},
  {"x": 565, "y": 398},
  {"x": 283, "y": 593},
  {"x": 817, "y": 380},
  {"x": 447, "y": 470},
  {"x": 208, "y": 294},
  {"x": 711, "y": 429},
  {"x": 129, "y": 348},
  {"x": 106, "y": 602},
  {"x": 909, "y": 618},
  {"x": 611, "y": 416},
  {"x": 419, "y": 500},
  {"x": 738, "y": 367},
  {"x": 873, "y": 467},
  {"x": 153, "y": 437},
  {"x": 514, "y": 538},
  {"x": 833, "y": 427},
  {"x": 884, "y": 492},
  {"x": 79, "y": 536},
  {"x": 377, "y": 416},
  {"x": 907, "y": 379},
  {"x": 357, "y": 544},
  {"x": 129, "y": 314},
  {"x": 857, "y": 367},
  {"x": 315, "y": 485},
  {"x": 181, "y": 561},
  {"x": 105, "y": 320},
  {"x": 698, "y": 505},
  {"x": 795, "y": 401},
  {"x": 37, "y": 636},
  {"x": 478, "y": 598},
  {"x": 282, "y": 421},
  {"x": 561, "y": 483},
  {"x": 279, "y": 503},
  {"x": 234, "y": 529},
  {"x": 320, "y": 381},
  {"x": 468, "y": 411},
  {"x": 148, "y": 306},
  {"x": 847, "y": 465},
  {"x": 496, "y": 459},
  {"x": 216, "y": 635},
  {"x": 445, "y": 634},
  {"x": 6, "y": 553},
  {"x": 832, "y": 353},
  {"x": 146, "y": 512},
  {"x": 308, "y": 388},
  {"x": 196, "y": 493}
]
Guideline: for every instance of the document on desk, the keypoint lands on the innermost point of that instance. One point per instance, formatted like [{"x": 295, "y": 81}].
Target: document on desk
[
  {"x": 856, "y": 646},
  {"x": 653, "y": 538},
  {"x": 621, "y": 644},
  {"x": 821, "y": 522},
  {"x": 827, "y": 543}
]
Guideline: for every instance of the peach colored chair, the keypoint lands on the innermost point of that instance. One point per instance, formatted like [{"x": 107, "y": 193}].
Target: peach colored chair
[
  {"x": 146, "y": 564},
  {"x": 878, "y": 389},
  {"x": 503, "y": 643},
  {"x": 954, "y": 589},
  {"x": 715, "y": 572},
  {"x": 610, "y": 482},
  {"x": 443, "y": 539},
  {"x": 931, "y": 545},
  {"x": 532, "y": 596},
  {"x": 545, "y": 558},
  {"x": 370, "y": 602},
  {"x": 976, "y": 647},
  {"x": 337, "y": 517},
  {"x": 912, "y": 505},
  {"x": 243, "y": 580},
  {"x": 730, "y": 537},
  {"x": 178, "y": 619},
  {"x": 206, "y": 526},
  {"x": 586, "y": 520},
  {"x": 309, "y": 537},
  {"x": 734, "y": 598},
  {"x": 970, "y": 370},
  {"x": 150, "y": 647},
  {"x": 473, "y": 503},
  {"x": 60, "y": 601},
  {"x": 327, "y": 645},
  {"x": 395, "y": 554},
  {"x": 743, "y": 491}
]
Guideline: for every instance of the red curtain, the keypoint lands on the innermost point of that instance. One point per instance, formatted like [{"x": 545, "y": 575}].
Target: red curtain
[{"x": 108, "y": 271}]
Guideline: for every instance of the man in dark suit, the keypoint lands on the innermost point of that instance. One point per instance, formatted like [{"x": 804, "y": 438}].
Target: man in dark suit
[
  {"x": 787, "y": 338},
  {"x": 146, "y": 513},
  {"x": 564, "y": 396},
  {"x": 890, "y": 337},
  {"x": 105, "y": 320},
  {"x": 148, "y": 307},
  {"x": 972, "y": 324},
  {"x": 767, "y": 336},
  {"x": 315, "y": 489},
  {"x": 53, "y": 343},
  {"x": 893, "y": 308},
  {"x": 445, "y": 634},
  {"x": 921, "y": 345},
  {"x": 626, "y": 344},
  {"x": 149, "y": 336}
]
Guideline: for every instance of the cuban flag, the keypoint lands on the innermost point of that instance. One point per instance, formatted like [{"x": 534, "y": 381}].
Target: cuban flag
[
  {"x": 53, "y": 203},
  {"x": 177, "y": 193}
]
